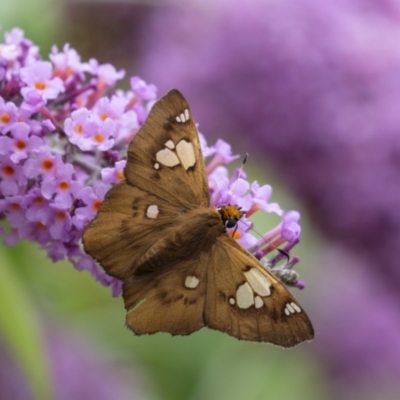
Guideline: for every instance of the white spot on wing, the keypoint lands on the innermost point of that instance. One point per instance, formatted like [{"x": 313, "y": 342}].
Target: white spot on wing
[
  {"x": 152, "y": 211},
  {"x": 290, "y": 308},
  {"x": 232, "y": 301},
  {"x": 183, "y": 117},
  {"x": 191, "y": 282},
  {"x": 170, "y": 144},
  {"x": 156, "y": 165},
  {"x": 287, "y": 312},
  {"x": 258, "y": 281},
  {"x": 258, "y": 302},
  {"x": 167, "y": 157},
  {"x": 185, "y": 152},
  {"x": 296, "y": 307},
  {"x": 244, "y": 296}
]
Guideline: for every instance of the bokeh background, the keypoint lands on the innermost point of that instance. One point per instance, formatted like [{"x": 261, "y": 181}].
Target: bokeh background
[{"x": 311, "y": 89}]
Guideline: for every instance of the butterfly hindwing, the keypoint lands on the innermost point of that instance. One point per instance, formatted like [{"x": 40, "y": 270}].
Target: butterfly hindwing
[
  {"x": 164, "y": 157},
  {"x": 170, "y": 301},
  {"x": 245, "y": 300}
]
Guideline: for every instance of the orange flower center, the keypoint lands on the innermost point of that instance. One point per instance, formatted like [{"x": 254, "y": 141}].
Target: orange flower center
[
  {"x": 38, "y": 200},
  {"x": 78, "y": 128},
  {"x": 60, "y": 215},
  {"x": 39, "y": 226},
  {"x": 69, "y": 71},
  {"x": 96, "y": 205},
  {"x": 20, "y": 144},
  {"x": 8, "y": 170},
  {"x": 47, "y": 164},
  {"x": 120, "y": 175},
  {"x": 40, "y": 85},
  {"x": 63, "y": 185},
  {"x": 5, "y": 118},
  {"x": 103, "y": 116},
  {"x": 15, "y": 206},
  {"x": 99, "y": 138}
]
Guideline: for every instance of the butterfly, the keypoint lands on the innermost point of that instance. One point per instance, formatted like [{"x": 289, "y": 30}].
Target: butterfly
[{"x": 181, "y": 270}]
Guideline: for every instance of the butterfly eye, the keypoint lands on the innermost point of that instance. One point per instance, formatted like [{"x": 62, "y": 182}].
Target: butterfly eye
[
  {"x": 230, "y": 223},
  {"x": 230, "y": 214}
]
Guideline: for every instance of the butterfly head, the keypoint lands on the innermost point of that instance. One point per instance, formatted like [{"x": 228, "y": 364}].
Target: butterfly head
[{"x": 230, "y": 214}]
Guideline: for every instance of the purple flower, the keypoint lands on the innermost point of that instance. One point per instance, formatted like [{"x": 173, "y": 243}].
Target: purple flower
[
  {"x": 290, "y": 226},
  {"x": 67, "y": 63},
  {"x": 59, "y": 136},
  {"x": 222, "y": 155},
  {"x": 77, "y": 126},
  {"x": 142, "y": 89},
  {"x": 8, "y": 115},
  {"x": 19, "y": 145},
  {"x": 39, "y": 81},
  {"x": 11, "y": 177},
  {"x": 106, "y": 73},
  {"x": 62, "y": 188},
  {"x": 114, "y": 174},
  {"x": 260, "y": 196},
  {"x": 63, "y": 140},
  {"x": 13, "y": 205},
  {"x": 42, "y": 164},
  {"x": 34, "y": 202},
  {"x": 91, "y": 198}
]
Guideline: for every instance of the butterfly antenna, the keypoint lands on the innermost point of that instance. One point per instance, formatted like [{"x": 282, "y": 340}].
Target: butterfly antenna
[
  {"x": 240, "y": 173},
  {"x": 233, "y": 234},
  {"x": 283, "y": 252}
]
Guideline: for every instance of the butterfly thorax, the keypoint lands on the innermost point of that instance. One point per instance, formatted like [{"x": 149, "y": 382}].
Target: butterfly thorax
[
  {"x": 193, "y": 233},
  {"x": 230, "y": 214}
]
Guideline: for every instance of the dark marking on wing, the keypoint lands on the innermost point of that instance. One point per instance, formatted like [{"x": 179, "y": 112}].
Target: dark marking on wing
[
  {"x": 155, "y": 176},
  {"x": 168, "y": 126}
]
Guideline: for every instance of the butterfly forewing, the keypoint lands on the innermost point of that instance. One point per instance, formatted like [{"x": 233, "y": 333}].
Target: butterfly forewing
[
  {"x": 164, "y": 157},
  {"x": 180, "y": 269},
  {"x": 245, "y": 300},
  {"x": 129, "y": 223}
]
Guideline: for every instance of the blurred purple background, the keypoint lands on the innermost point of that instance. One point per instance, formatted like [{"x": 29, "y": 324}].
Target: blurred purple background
[
  {"x": 314, "y": 87},
  {"x": 77, "y": 370}
]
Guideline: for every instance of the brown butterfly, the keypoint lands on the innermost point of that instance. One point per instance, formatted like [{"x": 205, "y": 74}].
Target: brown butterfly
[{"x": 180, "y": 268}]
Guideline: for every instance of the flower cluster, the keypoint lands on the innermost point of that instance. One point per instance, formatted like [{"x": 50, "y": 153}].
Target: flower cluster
[{"x": 64, "y": 131}]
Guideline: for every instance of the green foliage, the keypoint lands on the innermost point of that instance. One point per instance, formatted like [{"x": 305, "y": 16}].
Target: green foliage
[{"x": 20, "y": 328}]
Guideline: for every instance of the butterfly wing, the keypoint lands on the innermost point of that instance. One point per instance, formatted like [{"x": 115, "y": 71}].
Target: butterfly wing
[
  {"x": 164, "y": 157},
  {"x": 128, "y": 224},
  {"x": 171, "y": 301},
  {"x": 165, "y": 177},
  {"x": 167, "y": 292},
  {"x": 248, "y": 302}
]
